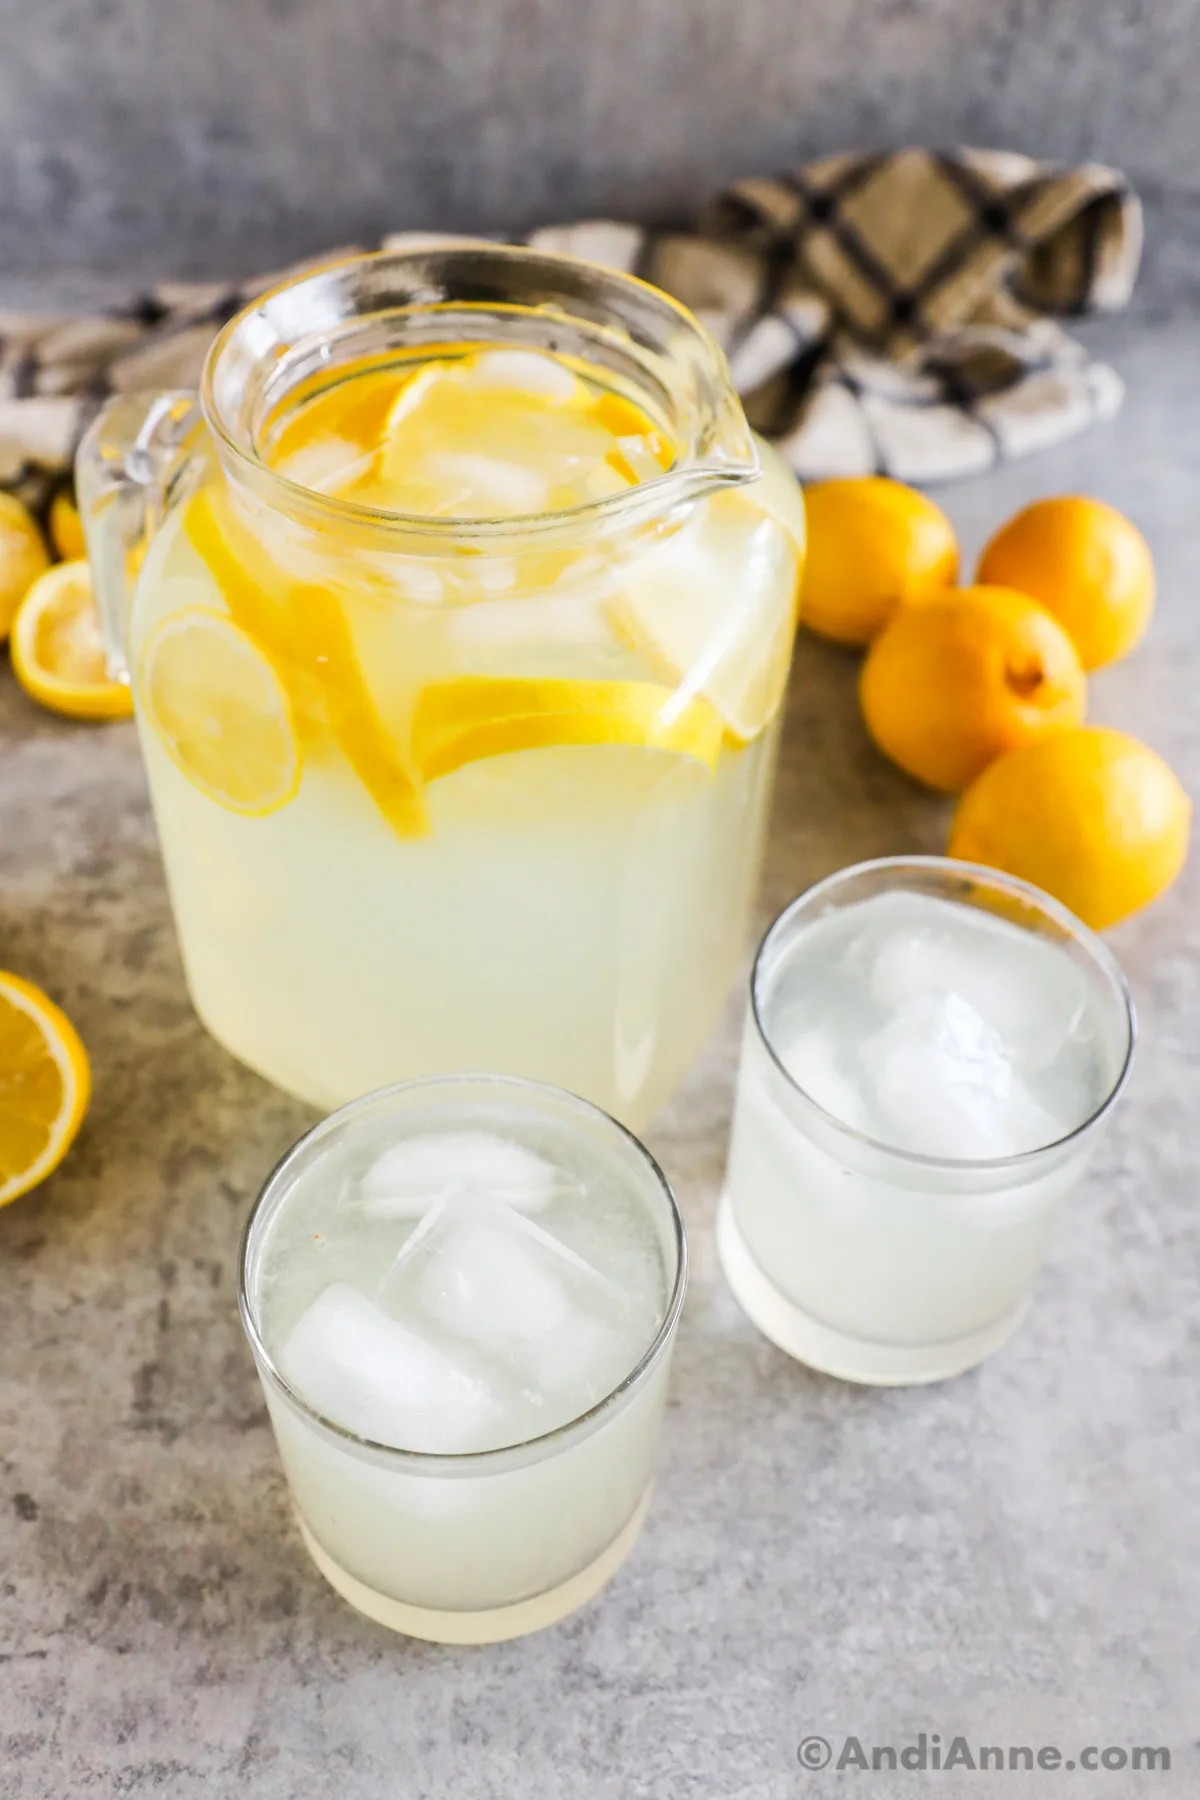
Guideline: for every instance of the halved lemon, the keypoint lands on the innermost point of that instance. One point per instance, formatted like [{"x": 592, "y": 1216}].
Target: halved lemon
[
  {"x": 715, "y": 609},
  {"x": 221, "y": 711},
  {"x": 57, "y": 651},
  {"x": 45, "y": 1082},
  {"x": 474, "y": 716},
  {"x": 23, "y": 557}
]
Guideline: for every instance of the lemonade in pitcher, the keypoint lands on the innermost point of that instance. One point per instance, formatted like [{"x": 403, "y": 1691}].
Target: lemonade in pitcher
[{"x": 459, "y": 635}]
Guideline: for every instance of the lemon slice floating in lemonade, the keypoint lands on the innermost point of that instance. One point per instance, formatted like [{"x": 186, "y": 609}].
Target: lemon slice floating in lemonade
[
  {"x": 221, "y": 711},
  {"x": 508, "y": 433},
  {"x": 496, "y": 433},
  {"x": 462, "y": 720}
]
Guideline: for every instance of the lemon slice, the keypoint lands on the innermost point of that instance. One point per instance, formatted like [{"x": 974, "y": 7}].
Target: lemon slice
[
  {"x": 715, "y": 609},
  {"x": 301, "y": 628},
  {"x": 506, "y": 433},
  {"x": 474, "y": 716},
  {"x": 221, "y": 711},
  {"x": 56, "y": 649},
  {"x": 45, "y": 1082},
  {"x": 23, "y": 557}
]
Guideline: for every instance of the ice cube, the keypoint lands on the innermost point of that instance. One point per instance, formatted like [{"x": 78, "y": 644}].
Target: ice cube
[
  {"x": 812, "y": 1062},
  {"x": 944, "y": 1085},
  {"x": 468, "y": 484},
  {"x": 491, "y": 1279},
  {"x": 413, "y": 1175},
  {"x": 641, "y": 453},
  {"x": 415, "y": 578},
  {"x": 714, "y": 602},
  {"x": 554, "y": 619},
  {"x": 1031, "y": 995},
  {"x": 524, "y": 372},
  {"x": 327, "y": 465},
  {"x": 598, "y": 481},
  {"x": 492, "y": 574},
  {"x": 381, "y": 1380}
]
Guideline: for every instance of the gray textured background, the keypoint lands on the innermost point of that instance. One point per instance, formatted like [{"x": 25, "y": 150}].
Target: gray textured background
[
  {"x": 162, "y": 135},
  {"x": 1011, "y": 1555}
]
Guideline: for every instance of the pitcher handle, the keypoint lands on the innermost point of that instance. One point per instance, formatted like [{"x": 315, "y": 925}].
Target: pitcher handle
[{"x": 126, "y": 469}]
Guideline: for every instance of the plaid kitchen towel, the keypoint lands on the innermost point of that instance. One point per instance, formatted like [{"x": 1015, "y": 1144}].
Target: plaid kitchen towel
[{"x": 886, "y": 314}]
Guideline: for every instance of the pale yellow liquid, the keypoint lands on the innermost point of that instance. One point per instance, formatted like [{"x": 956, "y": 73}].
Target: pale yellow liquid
[{"x": 573, "y": 913}]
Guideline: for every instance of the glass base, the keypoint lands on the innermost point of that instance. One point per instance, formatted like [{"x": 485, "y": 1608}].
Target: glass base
[
  {"x": 833, "y": 1352},
  {"x": 496, "y": 1624}
]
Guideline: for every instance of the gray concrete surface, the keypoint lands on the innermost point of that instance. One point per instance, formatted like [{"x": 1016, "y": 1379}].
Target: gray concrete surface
[
  {"x": 231, "y": 136},
  {"x": 1011, "y": 1556}
]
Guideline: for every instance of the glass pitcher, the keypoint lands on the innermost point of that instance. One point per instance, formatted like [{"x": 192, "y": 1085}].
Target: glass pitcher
[{"x": 458, "y": 609}]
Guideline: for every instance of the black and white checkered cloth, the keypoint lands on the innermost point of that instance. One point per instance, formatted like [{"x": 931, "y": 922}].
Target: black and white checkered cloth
[{"x": 889, "y": 314}]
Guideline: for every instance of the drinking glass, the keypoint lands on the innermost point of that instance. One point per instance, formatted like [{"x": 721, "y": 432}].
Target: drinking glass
[
  {"x": 478, "y": 1545},
  {"x": 874, "y": 1263}
]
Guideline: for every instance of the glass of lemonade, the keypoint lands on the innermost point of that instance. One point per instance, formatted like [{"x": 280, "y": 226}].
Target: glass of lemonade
[
  {"x": 930, "y": 1052},
  {"x": 458, "y": 613},
  {"x": 462, "y": 1295}
]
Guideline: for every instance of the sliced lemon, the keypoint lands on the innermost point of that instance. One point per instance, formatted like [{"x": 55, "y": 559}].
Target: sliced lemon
[
  {"x": 66, "y": 528},
  {"x": 715, "y": 609},
  {"x": 302, "y": 630},
  {"x": 23, "y": 557},
  {"x": 506, "y": 433},
  {"x": 45, "y": 1083},
  {"x": 349, "y": 404},
  {"x": 474, "y": 716},
  {"x": 221, "y": 711},
  {"x": 56, "y": 648}
]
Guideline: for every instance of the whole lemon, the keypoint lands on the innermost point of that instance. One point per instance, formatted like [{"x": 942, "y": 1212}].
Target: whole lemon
[
  {"x": 66, "y": 529},
  {"x": 873, "y": 545},
  {"x": 1094, "y": 817},
  {"x": 22, "y": 557},
  {"x": 953, "y": 683},
  {"x": 1087, "y": 563}
]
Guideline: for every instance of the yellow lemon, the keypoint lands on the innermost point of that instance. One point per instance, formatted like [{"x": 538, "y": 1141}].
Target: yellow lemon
[
  {"x": 66, "y": 528},
  {"x": 56, "y": 648},
  {"x": 22, "y": 557},
  {"x": 1094, "y": 817},
  {"x": 221, "y": 711},
  {"x": 873, "y": 545},
  {"x": 474, "y": 716},
  {"x": 45, "y": 1083},
  {"x": 1087, "y": 563},
  {"x": 954, "y": 683}
]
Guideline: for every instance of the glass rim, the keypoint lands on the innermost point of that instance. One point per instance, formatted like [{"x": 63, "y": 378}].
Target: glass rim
[
  {"x": 431, "y": 1462},
  {"x": 672, "y": 486},
  {"x": 981, "y": 875}
]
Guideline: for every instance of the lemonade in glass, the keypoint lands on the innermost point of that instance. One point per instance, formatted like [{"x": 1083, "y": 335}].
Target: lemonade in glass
[{"x": 458, "y": 614}]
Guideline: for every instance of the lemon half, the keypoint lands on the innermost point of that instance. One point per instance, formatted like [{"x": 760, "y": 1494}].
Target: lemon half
[
  {"x": 57, "y": 651},
  {"x": 45, "y": 1082}
]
